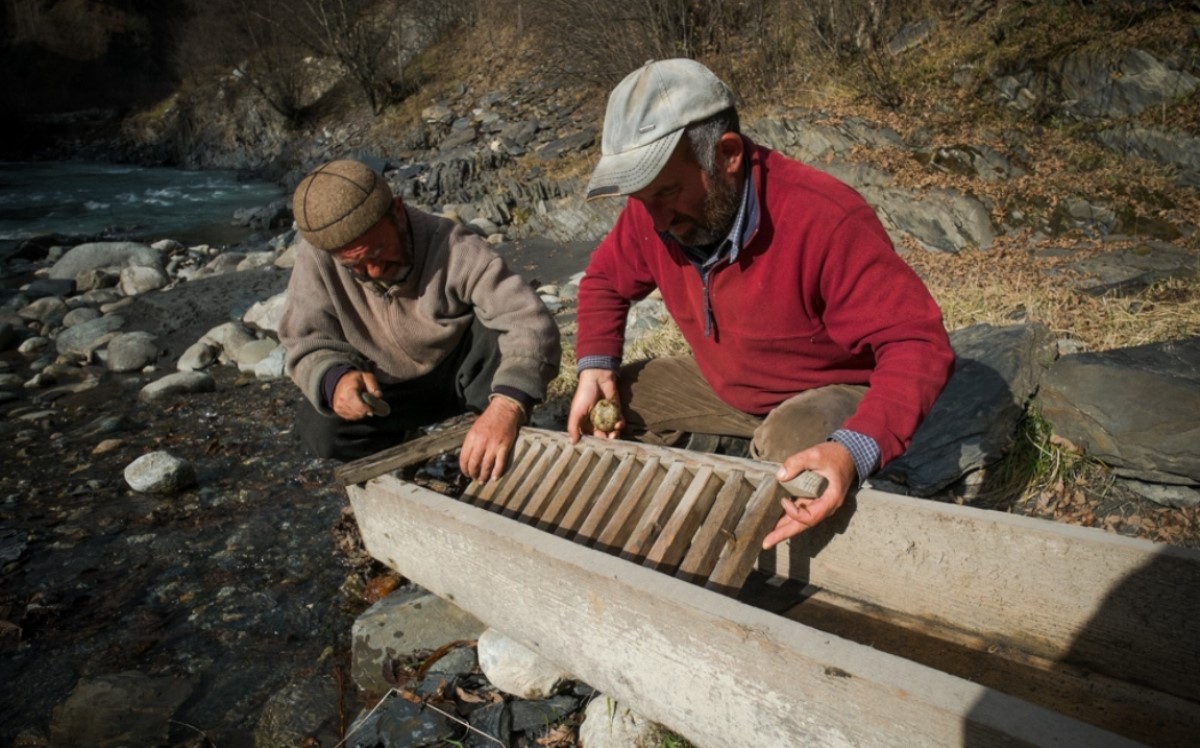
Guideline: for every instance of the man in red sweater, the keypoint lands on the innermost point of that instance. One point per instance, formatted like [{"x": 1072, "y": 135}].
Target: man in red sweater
[{"x": 809, "y": 334}]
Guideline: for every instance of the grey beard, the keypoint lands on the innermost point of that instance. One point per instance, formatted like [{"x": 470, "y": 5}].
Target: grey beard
[{"x": 720, "y": 208}]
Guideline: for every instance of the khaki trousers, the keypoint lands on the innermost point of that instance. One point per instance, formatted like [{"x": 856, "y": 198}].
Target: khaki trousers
[{"x": 665, "y": 399}]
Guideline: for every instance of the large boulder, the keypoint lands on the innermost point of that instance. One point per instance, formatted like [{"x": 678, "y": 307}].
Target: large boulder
[
  {"x": 1132, "y": 408},
  {"x": 119, "y": 709},
  {"x": 973, "y": 422},
  {"x": 83, "y": 339},
  {"x": 97, "y": 255}
]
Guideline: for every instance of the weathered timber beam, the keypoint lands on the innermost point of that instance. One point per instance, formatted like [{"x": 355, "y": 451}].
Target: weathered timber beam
[
  {"x": 716, "y": 671},
  {"x": 402, "y": 455},
  {"x": 1124, "y": 607}
]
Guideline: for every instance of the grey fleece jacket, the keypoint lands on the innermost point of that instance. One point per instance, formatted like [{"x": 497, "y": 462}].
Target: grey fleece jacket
[{"x": 403, "y": 331}]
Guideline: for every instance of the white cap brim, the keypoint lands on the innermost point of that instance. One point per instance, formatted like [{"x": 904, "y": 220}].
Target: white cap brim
[{"x": 625, "y": 173}]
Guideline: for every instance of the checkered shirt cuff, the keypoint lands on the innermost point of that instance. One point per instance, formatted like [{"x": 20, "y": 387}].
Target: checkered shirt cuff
[
  {"x": 863, "y": 450},
  {"x": 611, "y": 363}
]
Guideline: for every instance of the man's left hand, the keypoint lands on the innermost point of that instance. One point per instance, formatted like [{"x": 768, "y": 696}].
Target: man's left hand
[
  {"x": 833, "y": 461},
  {"x": 487, "y": 446}
]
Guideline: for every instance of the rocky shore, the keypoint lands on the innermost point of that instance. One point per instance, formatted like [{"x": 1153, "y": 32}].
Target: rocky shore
[{"x": 166, "y": 543}]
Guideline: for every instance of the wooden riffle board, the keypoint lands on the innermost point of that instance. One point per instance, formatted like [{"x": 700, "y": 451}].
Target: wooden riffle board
[
  {"x": 597, "y": 556},
  {"x": 694, "y": 516}
]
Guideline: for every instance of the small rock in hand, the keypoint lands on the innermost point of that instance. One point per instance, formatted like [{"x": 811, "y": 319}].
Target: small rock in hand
[
  {"x": 605, "y": 415},
  {"x": 377, "y": 405}
]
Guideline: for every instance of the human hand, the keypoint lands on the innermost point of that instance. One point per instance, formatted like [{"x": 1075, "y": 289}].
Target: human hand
[
  {"x": 347, "y": 395},
  {"x": 488, "y": 445},
  {"x": 828, "y": 459},
  {"x": 594, "y": 385}
]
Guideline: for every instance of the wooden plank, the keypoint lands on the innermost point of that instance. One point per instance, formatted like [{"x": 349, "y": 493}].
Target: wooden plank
[
  {"x": 612, "y": 497},
  {"x": 1057, "y": 593},
  {"x": 1129, "y": 709},
  {"x": 1120, "y": 606},
  {"x": 675, "y": 538},
  {"x": 717, "y": 672},
  {"x": 740, "y": 552},
  {"x": 716, "y": 529},
  {"x": 403, "y": 455},
  {"x": 554, "y": 478}
]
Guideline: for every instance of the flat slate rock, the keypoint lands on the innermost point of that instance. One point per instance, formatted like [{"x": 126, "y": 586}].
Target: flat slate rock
[
  {"x": 1131, "y": 270},
  {"x": 973, "y": 422},
  {"x": 1133, "y": 408}
]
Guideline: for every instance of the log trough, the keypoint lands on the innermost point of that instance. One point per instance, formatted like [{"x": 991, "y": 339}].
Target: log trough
[{"x": 899, "y": 622}]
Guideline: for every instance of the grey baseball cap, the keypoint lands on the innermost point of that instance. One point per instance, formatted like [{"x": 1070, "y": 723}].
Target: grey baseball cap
[{"x": 646, "y": 115}]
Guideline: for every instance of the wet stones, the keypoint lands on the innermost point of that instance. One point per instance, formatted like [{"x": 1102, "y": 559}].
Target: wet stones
[
  {"x": 121, "y": 709},
  {"x": 131, "y": 351},
  {"x": 159, "y": 473},
  {"x": 405, "y": 621},
  {"x": 179, "y": 383},
  {"x": 515, "y": 669}
]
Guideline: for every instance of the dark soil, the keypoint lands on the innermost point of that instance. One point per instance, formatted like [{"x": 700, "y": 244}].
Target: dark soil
[
  {"x": 236, "y": 585},
  {"x": 247, "y": 580}
]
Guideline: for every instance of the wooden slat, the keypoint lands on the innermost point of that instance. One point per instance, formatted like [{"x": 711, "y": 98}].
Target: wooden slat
[
  {"x": 513, "y": 477},
  {"x": 615, "y": 495},
  {"x": 675, "y": 538},
  {"x": 532, "y": 512},
  {"x": 587, "y": 523},
  {"x": 579, "y": 504},
  {"x": 483, "y": 493},
  {"x": 533, "y": 480},
  {"x": 656, "y": 515},
  {"x": 586, "y": 465},
  {"x": 716, "y": 529},
  {"x": 615, "y": 532},
  {"x": 741, "y": 551}
]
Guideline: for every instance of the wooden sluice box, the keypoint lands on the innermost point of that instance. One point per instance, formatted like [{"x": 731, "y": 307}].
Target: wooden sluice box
[{"x": 898, "y": 622}]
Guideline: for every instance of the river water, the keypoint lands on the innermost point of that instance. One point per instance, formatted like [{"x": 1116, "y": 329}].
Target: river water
[{"x": 127, "y": 202}]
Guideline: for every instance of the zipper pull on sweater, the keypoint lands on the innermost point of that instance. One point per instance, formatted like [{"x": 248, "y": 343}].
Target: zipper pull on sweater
[{"x": 709, "y": 320}]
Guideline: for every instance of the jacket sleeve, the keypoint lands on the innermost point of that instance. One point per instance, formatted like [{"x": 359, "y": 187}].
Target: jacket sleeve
[
  {"x": 874, "y": 301},
  {"x": 309, "y": 328},
  {"x": 530, "y": 345},
  {"x": 617, "y": 275}
]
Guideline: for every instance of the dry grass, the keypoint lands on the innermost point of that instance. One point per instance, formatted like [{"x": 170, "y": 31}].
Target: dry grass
[{"x": 1009, "y": 285}]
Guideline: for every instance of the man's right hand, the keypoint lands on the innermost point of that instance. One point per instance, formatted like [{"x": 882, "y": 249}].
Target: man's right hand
[
  {"x": 347, "y": 395},
  {"x": 594, "y": 385}
]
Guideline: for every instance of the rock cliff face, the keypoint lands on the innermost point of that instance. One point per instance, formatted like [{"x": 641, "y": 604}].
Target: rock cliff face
[{"x": 74, "y": 68}]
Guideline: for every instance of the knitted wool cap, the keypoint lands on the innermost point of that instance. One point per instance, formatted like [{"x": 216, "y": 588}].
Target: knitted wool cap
[{"x": 338, "y": 202}]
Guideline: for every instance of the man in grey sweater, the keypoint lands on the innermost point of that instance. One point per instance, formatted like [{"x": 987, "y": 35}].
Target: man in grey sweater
[{"x": 397, "y": 319}]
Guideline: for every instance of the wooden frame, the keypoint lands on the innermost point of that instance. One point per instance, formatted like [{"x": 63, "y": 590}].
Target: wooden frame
[{"x": 1110, "y": 617}]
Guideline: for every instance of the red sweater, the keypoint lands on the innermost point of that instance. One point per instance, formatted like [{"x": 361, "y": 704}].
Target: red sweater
[{"x": 817, "y": 296}]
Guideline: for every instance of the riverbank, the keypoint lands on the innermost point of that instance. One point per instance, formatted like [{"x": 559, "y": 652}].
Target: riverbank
[
  {"x": 1080, "y": 234},
  {"x": 236, "y": 591}
]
